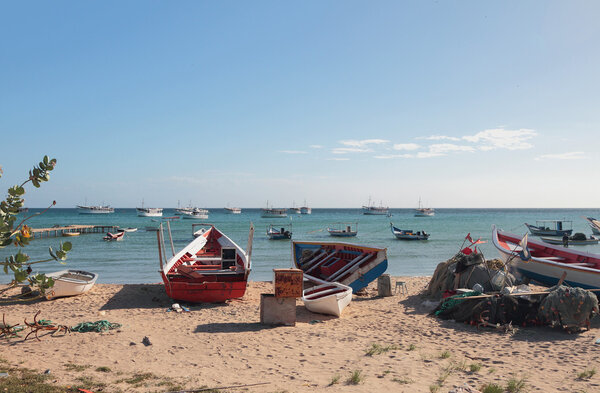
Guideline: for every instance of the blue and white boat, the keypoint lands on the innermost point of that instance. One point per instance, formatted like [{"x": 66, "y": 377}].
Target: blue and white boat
[{"x": 349, "y": 264}]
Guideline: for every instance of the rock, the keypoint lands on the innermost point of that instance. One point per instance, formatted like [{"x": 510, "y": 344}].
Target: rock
[{"x": 146, "y": 341}]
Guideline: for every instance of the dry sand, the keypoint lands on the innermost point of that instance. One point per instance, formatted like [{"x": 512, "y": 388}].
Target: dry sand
[{"x": 224, "y": 345}]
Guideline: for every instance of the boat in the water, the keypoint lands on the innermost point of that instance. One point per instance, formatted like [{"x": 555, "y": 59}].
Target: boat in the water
[
  {"x": 149, "y": 211},
  {"x": 210, "y": 269},
  {"x": 572, "y": 240},
  {"x": 70, "y": 234},
  {"x": 349, "y": 264},
  {"x": 551, "y": 228},
  {"x": 380, "y": 210},
  {"x": 343, "y": 229},
  {"x": 329, "y": 298},
  {"x": 424, "y": 211},
  {"x": 279, "y": 233},
  {"x": 233, "y": 210},
  {"x": 195, "y": 214},
  {"x": 547, "y": 262},
  {"x": 114, "y": 236},
  {"x": 95, "y": 209},
  {"x": 594, "y": 224},
  {"x": 130, "y": 229},
  {"x": 270, "y": 212},
  {"x": 409, "y": 234},
  {"x": 70, "y": 283}
]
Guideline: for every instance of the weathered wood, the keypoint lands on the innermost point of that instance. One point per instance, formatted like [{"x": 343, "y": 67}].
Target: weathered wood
[
  {"x": 277, "y": 311},
  {"x": 384, "y": 285}
]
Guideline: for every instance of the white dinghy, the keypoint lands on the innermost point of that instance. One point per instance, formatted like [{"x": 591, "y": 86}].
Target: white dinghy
[
  {"x": 70, "y": 283},
  {"x": 329, "y": 298}
]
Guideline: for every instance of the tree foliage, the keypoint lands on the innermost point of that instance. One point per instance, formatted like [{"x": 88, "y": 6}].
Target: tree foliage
[{"x": 19, "y": 234}]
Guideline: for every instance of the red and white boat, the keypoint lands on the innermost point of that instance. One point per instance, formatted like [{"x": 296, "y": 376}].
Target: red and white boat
[
  {"x": 211, "y": 269},
  {"x": 548, "y": 262},
  {"x": 114, "y": 236}
]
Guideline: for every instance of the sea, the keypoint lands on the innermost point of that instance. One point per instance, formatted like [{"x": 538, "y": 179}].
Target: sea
[{"x": 135, "y": 259}]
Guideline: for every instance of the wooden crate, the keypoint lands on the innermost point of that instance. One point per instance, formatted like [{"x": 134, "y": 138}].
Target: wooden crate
[
  {"x": 274, "y": 311},
  {"x": 288, "y": 282}
]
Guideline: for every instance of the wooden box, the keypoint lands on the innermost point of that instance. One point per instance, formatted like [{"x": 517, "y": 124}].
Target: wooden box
[
  {"x": 277, "y": 311},
  {"x": 288, "y": 283}
]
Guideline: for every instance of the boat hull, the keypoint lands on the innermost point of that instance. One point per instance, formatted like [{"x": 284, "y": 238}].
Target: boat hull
[
  {"x": 537, "y": 231},
  {"x": 572, "y": 242},
  {"x": 70, "y": 283},
  {"x": 330, "y": 298},
  {"x": 341, "y": 233},
  {"x": 349, "y": 264},
  {"x": 580, "y": 267},
  {"x": 205, "y": 292}
]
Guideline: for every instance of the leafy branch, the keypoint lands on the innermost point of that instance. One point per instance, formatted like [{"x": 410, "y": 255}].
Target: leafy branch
[{"x": 20, "y": 234}]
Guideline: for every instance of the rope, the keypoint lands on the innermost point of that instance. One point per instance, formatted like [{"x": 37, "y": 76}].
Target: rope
[
  {"x": 452, "y": 301},
  {"x": 98, "y": 326}
]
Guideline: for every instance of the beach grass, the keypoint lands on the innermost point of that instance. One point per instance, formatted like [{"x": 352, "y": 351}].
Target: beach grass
[
  {"x": 403, "y": 380},
  {"x": 411, "y": 347},
  {"x": 334, "y": 380},
  {"x": 356, "y": 377},
  {"x": 377, "y": 349},
  {"x": 445, "y": 355},
  {"x": 22, "y": 380},
  {"x": 587, "y": 374},
  {"x": 138, "y": 378},
  {"x": 516, "y": 385},
  {"x": 75, "y": 367},
  {"x": 87, "y": 382},
  {"x": 492, "y": 388},
  {"x": 474, "y": 367}
]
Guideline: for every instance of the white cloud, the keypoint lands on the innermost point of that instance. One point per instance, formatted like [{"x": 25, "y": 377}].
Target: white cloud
[
  {"x": 443, "y": 148},
  {"x": 316, "y": 146},
  {"x": 337, "y": 159},
  {"x": 406, "y": 146},
  {"x": 345, "y": 150},
  {"x": 439, "y": 138},
  {"x": 500, "y": 138},
  {"x": 390, "y": 156},
  {"x": 427, "y": 154},
  {"x": 292, "y": 151},
  {"x": 364, "y": 142},
  {"x": 573, "y": 155}
]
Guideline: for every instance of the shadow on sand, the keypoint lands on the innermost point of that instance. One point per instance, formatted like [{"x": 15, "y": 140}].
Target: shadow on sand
[{"x": 139, "y": 296}]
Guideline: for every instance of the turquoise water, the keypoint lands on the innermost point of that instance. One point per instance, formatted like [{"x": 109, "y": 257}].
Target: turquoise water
[{"x": 135, "y": 259}]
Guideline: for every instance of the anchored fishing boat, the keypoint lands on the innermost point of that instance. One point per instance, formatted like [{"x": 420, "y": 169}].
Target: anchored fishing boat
[
  {"x": 551, "y": 228},
  {"x": 594, "y": 224},
  {"x": 278, "y": 233},
  {"x": 328, "y": 298},
  {"x": 95, "y": 209},
  {"x": 70, "y": 283},
  {"x": 572, "y": 240},
  {"x": 210, "y": 269},
  {"x": 380, "y": 210},
  {"x": 349, "y": 264},
  {"x": 114, "y": 236},
  {"x": 546, "y": 263},
  {"x": 409, "y": 234},
  {"x": 233, "y": 210},
  {"x": 424, "y": 211},
  {"x": 342, "y": 229}
]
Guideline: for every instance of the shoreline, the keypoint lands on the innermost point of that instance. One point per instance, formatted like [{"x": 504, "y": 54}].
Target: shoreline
[{"x": 224, "y": 345}]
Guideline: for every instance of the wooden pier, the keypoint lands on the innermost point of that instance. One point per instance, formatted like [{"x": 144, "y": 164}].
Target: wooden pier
[{"x": 71, "y": 230}]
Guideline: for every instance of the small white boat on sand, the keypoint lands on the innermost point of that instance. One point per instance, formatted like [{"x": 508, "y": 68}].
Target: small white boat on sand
[
  {"x": 70, "y": 283},
  {"x": 329, "y": 298}
]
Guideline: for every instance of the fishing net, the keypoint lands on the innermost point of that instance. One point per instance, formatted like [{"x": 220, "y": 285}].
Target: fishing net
[
  {"x": 471, "y": 269},
  {"x": 570, "y": 308},
  {"x": 578, "y": 236}
]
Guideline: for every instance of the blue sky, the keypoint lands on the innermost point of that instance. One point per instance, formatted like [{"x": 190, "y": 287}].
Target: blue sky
[{"x": 464, "y": 104}]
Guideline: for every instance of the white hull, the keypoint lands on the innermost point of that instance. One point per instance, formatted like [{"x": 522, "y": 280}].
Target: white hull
[
  {"x": 329, "y": 298},
  {"x": 273, "y": 213},
  {"x": 149, "y": 212},
  {"x": 95, "y": 210},
  {"x": 305, "y": 210},
  {"x": 233, "y": 210},
  {"x": 70, "y": 283},
  {"x": 546, "y": 270}
]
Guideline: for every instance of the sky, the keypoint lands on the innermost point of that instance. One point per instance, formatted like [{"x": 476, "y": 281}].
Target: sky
[{"x": 465, "y": 104}]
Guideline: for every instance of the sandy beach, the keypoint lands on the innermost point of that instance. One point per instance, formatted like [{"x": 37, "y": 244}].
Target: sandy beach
[{"x": 225, "y": 345}]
